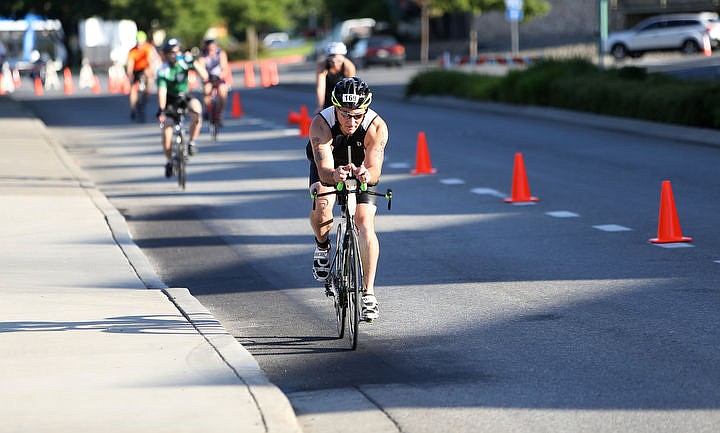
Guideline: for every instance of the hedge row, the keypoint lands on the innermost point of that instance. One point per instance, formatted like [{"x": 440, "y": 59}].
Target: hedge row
[{"x": 579, "y": 85}]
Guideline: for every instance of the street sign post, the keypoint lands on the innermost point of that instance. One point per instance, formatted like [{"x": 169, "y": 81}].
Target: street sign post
[{"x": 514, "y": 14}]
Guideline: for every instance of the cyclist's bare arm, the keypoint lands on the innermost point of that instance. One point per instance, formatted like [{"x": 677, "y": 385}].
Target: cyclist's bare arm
[
  {"x": 225, "y": 66},
  {"x": 375, "y": 141},
  {"x": 320, "y": 87},
  {"x": 199, "y": 66},
  {"x": 321, "y": 141}
]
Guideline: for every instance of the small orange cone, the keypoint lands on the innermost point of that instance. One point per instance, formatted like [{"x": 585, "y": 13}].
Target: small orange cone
[
  {"x": 39, "y": 87},
  {"x": 96, "y": 85},
  {"x": 236, "y": 107},
  {"x": 249, "y": 75},
  {"x": 68, "y": 86},
  {"x": 668, "y": 223},
  {"x": 293, "y": 117},
  {"x": 265, "y": 79},
  {"x": 274, "y": 76},
  {"x": 304, "y": 122},
  {"x": 422, "y": 158},
  {"x": 520, "y": 187},
  {"x": 707, "y": 48}
]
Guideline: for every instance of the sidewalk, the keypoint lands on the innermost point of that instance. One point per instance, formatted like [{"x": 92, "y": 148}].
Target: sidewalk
[{"x": 90, "y": 339}]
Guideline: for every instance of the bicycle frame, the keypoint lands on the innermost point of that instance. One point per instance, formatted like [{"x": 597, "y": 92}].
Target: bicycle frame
[
  {"x": 179, "y": 144},
  {"x": 345, "y": 282}
]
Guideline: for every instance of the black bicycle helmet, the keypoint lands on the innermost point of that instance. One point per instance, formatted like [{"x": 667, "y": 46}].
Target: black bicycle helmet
[
  {"x": 170, "y": 45},
  {"x": 351, "y": 93}
]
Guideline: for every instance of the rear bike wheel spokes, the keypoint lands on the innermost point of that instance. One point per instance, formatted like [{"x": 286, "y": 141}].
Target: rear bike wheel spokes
[{"x": 354, "y": 287}]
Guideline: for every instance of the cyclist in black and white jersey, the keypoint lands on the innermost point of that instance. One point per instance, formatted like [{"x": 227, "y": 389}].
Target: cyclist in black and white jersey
[
  {"x": 347, "y": 121},
  {"x": 216, "y": 63}
]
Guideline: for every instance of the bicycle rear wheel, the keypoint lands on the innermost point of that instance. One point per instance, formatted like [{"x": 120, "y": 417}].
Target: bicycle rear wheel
[{"x": 354, "y": 288}]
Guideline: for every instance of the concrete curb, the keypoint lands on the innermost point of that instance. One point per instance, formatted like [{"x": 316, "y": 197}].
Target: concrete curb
[{"x": 271, "y": 403}]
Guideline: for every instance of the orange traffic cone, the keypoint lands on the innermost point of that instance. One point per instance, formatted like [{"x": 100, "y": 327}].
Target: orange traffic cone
[
  {"x": 39, "y": 87},
  {"x": 265, "y": 79},
  {"x": 520, "y": 187},
  {"x": 668, "y": 223},
  {"x": 304, "y": 111},
  {"x": 293, "y": 117},
  {"x": 422, "y": 158},
  {"x": 96, "y": 85},
  {"x": 249, "y": 75},
  {"x": 304, "y": 124},
  {"x": 68, "y": 86},
  {"x": 707, "y": 48},
  {"x": 274, "y": 76},
  {"x": 236, "y": 107}
]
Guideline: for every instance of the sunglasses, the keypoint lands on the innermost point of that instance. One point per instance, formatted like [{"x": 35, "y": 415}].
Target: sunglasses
[{"x": 347, "y": 115}]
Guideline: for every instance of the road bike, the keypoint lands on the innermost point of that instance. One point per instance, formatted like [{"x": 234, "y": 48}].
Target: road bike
[
  {"x": 213, "y": 108},
  {"x": 142, "y": 97},
  {"x": 179, "y": 143},
  {"x": 345, "y": 280}
]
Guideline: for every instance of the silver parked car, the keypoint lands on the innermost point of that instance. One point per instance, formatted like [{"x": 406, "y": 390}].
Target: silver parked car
[{"x": 676, "y": 32}]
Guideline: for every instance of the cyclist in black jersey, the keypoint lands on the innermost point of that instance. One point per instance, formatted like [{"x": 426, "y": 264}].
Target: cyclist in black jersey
[
  {"x": 333, "y": 69},
  {"x": 348, "y": 121}
]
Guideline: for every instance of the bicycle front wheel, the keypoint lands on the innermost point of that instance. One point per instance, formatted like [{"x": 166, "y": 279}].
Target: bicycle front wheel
[
  {"x": 181, "y": 159},
  {"x": 354, "y": 288}
]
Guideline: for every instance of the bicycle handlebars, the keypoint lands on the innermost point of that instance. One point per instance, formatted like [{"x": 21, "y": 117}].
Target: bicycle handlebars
[{"x": 340, "y": 187}]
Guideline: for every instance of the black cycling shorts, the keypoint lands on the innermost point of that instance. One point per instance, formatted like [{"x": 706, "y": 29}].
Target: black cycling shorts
[{"x": 362, "y": 197}]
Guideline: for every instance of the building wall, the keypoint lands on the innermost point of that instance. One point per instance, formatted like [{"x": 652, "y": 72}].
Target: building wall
[{"x": 570, "y": 20}]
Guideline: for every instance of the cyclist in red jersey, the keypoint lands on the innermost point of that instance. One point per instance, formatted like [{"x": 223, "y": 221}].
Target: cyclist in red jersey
[{"x": 140, "y": 62}]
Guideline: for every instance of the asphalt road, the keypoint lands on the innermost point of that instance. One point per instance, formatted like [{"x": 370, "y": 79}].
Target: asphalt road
[{"x": 558, "y": 316}]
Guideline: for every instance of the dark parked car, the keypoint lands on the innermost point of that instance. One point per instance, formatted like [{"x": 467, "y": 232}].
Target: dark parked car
[{"x": 378, "y": 50}]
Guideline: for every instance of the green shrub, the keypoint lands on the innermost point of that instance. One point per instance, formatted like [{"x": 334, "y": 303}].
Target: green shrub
[{"x": 576, "y": 84}]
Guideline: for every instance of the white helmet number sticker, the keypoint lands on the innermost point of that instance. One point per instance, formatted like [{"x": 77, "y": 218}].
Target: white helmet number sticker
[{"x": 350, "y": 97}]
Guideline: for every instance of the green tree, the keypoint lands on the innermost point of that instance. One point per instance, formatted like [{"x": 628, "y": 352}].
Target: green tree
[{"x": 251, "y": 16}]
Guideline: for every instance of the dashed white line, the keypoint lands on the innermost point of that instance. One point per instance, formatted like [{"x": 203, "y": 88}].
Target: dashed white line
[
  {"x": 452, "y": 181},
  {"x": 399, "y": 165},
  {"x": 612, "y": 228},
  {"x": 562, "y": 214},
  {"x": 677, "y": 245},
  {"x": 488, "y": 191}
]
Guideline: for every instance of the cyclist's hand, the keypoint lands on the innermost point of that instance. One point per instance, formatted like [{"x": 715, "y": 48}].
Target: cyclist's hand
[
  {"x": 361, "y": 173},
  {"x": 160, "y": 116},
  {"x": 341, "y": 173}
]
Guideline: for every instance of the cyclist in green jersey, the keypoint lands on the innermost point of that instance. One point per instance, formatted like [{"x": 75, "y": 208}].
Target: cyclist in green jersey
[{"x": 173, "y": 92}]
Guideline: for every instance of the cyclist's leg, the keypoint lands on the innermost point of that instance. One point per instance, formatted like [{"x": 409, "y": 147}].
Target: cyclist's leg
[
  {"x": 207, "y": 96},
  {"x": 369, "y": 245},
  {"x": 195, "y": 113},
  {"x": 133, "y": 95},
  {"x": 222, "y": 97}
]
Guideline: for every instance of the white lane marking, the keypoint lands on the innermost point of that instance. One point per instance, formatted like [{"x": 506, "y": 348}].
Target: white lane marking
[
  {"x": 677, "y": 245},
  {"x": 452, "y": 181},
  {"x": 716, "y": 261},
  {"x": 488, "y": 191},
  {"x": 562, "y": 214},
  {"x": 399, "y": 165},
  {"x": 612, "y": 228}
]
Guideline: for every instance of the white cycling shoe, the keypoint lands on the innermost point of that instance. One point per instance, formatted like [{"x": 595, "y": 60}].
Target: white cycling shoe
[
  {"x": 321, "y": 264},
  {"x": 370, "y": 309}
]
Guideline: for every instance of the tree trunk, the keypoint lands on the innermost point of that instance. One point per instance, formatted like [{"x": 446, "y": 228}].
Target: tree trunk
[
  {"x": 252, "y": 41},
  {"x": 424, "y": 31},
  {"x": 474, "y": 36}
]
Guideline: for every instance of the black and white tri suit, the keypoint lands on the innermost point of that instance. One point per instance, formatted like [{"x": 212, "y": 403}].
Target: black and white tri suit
[{"x": 340, "y": 144}]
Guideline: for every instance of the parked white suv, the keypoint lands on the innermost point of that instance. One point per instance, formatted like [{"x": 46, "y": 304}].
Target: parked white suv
[{"x": 676, "y": 32}]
